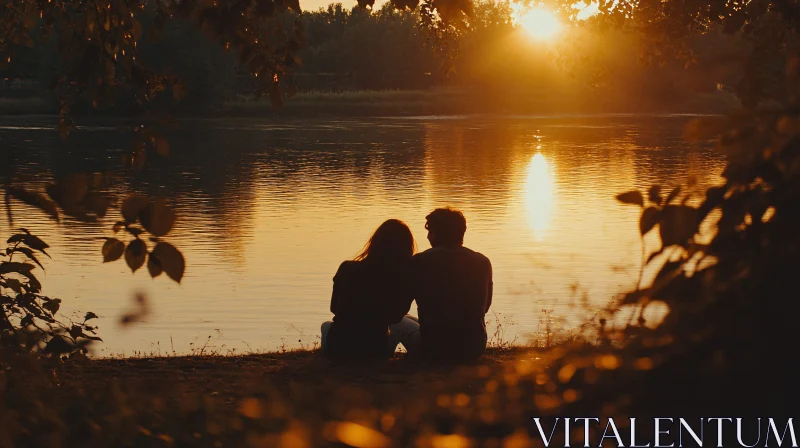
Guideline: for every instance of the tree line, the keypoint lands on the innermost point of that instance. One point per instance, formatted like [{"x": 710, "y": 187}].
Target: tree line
[{"x": 343, "y": 49}]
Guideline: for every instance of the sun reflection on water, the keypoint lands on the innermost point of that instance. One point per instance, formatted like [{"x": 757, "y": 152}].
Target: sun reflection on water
[{"x": 539, "y": 195}]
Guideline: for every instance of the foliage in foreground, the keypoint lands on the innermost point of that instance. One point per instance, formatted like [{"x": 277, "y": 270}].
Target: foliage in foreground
[{"x": 28, "y": 320}]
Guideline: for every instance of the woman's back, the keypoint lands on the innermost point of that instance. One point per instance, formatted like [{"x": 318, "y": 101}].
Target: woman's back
[{"x": 367, "y": 297}]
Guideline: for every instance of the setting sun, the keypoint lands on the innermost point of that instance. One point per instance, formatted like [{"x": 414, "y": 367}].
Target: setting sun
[{"x": 538, "y": 22}]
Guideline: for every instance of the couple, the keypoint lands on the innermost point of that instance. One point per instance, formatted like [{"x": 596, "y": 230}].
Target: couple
[{"x": 372, "y": 294}]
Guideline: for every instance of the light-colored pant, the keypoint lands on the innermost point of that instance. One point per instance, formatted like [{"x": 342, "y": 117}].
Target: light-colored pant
[{"x": 405, "y": 332}]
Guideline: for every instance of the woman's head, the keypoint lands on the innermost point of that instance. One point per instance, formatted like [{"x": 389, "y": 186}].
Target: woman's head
[{"x": 391, "y": 242}]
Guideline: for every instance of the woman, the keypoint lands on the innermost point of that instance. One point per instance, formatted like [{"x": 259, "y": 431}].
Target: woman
[{"x": 370, "y": 293}]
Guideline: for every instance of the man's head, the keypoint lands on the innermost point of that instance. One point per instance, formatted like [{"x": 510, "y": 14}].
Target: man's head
[{"x": 446, "y": 227}]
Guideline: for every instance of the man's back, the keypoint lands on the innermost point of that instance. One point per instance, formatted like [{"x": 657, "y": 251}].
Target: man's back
[{"x": 453, "y": 290}]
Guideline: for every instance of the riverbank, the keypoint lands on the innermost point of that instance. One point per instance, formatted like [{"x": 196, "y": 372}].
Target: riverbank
[
  {"x": 301, "y": 399},
  {"x": 233, "y": 378},
  {"x": 297, "y": 398},
  {"x": 438, "y": 101}
]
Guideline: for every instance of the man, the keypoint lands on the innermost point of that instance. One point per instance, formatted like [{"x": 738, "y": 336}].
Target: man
[{"x": 453, "y": 289}]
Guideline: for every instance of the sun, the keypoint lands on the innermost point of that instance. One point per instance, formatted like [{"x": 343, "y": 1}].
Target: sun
[{"x": 538, "y": 22}]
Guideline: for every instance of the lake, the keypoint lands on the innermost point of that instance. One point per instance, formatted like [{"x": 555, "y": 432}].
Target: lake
[{"x": 267, "y": 209}]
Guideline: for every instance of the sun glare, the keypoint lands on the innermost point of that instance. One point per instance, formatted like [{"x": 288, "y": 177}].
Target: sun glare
[
  {"x": 539, "y": 195},
  {"x": 538, "y": 22}
]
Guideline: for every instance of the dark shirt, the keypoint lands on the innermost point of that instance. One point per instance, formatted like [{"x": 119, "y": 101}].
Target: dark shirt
[
  {"x": 453, "y": 290},
  {"x": 366, "y": 298}
]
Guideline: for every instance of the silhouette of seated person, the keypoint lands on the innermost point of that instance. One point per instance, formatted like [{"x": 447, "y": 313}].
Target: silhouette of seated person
[
  {"x": 453, "y": 289},
  {"x": 372, "y": 294}
]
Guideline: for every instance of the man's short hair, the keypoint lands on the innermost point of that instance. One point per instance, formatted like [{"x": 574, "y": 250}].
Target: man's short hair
[{"x": 448, "y": 224}]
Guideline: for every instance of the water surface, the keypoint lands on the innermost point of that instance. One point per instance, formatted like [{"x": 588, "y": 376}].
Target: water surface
[{"x": 269, "y": 208}]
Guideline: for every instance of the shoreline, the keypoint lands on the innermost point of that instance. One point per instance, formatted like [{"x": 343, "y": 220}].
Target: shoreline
[
  {"x": 231, "y": 378},
  {"x": 398, "y": 103}
]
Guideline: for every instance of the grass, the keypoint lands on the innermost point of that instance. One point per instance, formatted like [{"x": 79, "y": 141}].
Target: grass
[{"x": 297, "y": 398}]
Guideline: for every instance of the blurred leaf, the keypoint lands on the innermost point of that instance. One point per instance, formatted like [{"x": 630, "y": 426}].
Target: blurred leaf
[
  {"x": 672, "y": 195},
  {"x": 69, "y": 191},
  {"x": 52, "y": 306},
  {"x": 678, "y": 225},
  {"x": 169, "y": 259},
  {"x": 27, "y": 252},
  {"x": 654, "y": 255},
  {"x": 654, "y": 194},
  {"x": 8, "y": 267},
  {"x": 112, "y": 249},
  {"x": 179, "y": 91},
  {"x": 137, "y": 30},
  {"x": 75, "y": 331},
  {"x": 96, "y": 203},
  {"x": 669, "y": 268},
  {"x": 132, "y": 206},
  {"x": 648, "y": 220},
  {"x": 154, "y": 266},
  {"x": 631, "y": 197},
  {"x": 29, "y": 240},
  {"x": 704, "y": 128},
  {"x": 162, "y": 146},
  {"x": 7, "y": 199},
  {"x": 135, "y": 254},
  {"x": 89, "y": 315},
  {"x": 57, "y": 345},
  {"x": 157, "y": 218},
  {"x": 37, "y": 200},
  {"x": 138, "y": 160},
  {"x": 135, "y": 231},
  {"x": 354, "y": 434},
  {"x": 251, "y": 408},
  {"x": 13, "y": 284}
]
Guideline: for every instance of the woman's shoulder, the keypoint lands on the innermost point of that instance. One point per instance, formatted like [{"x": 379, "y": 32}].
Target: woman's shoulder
[{"x": 347, "y": 268}]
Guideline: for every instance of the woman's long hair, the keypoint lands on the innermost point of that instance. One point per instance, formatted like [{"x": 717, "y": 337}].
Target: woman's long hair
[{"x": 391, "y": 243}]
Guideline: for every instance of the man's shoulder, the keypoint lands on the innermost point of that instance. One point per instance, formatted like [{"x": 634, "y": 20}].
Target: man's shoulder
[
  {"x": 483, "y": 258},
  {"x": 478, "y": 256},
  {"x": 462, "y": 251},
  {"x": 424, "y": 254}
]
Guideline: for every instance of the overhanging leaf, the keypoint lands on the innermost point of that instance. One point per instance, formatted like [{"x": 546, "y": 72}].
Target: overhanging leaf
[
  {"x": 112, "y": 249},
  {"x": 678, "y": 225},
  {"x": 157, "y": 218},
  {"x": 32, "y": 241},
  {"x": 27, "y": 252},
  {"x": 15, "y": 267},
  {"x": 37, "y": 200},
  {"x": 162, "y": 146},
  {"x": 631, "y": 197},
  {"x": 654, "y": 194},
  {"x": 52, "y": 306},
  {"x": 154, "y": 266},
  {"x": 135, "y": 254},
  {"x": 170, "y": 260},
  {"x": 648, "y": 220},
  {"x": 672, "y": 195},
  {"x": 132, "y": 206}
]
